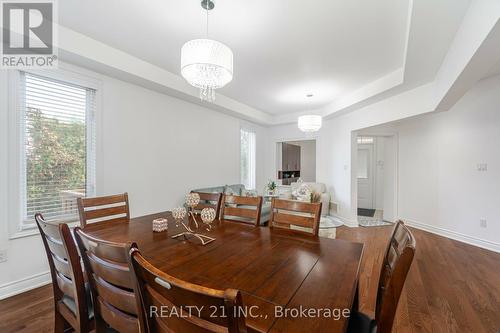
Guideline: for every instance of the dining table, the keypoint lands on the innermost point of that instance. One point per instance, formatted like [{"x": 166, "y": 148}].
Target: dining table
[{"x": 289, "y": 283}]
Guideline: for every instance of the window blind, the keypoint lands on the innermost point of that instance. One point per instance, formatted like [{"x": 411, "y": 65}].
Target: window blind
[
  {"x": 58, "y": 144},
  {"x": 247, "y": 162}
]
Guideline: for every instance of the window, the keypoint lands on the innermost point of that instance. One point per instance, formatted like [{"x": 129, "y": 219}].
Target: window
[
  {"x": 363, "y": 163},
  {"x": 247, "y": 162},
  {"x": 365, "y": 139},
  {"x": 57, "y": 147}
]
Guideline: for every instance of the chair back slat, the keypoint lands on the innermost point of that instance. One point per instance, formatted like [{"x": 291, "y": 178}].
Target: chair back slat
[
  {"x": 113, "y": 283},
  {"x": 209, "y": 200},
  {"x": 294, "y": 216},
  {"x": 118, "y": 320},
  {"x": 115, "y": 273},
  {"x": 118, "y": 297},
  {"x": 56, "y": 247},
  {"x": 66, "y": 272},
  {"x": 65, "y": 285},
  {"x": 396, "y": 264},
  {"x": 236, "y": 208},
  {"x": 160, "y": 289},
  {"x": 113, "y": 208},
  {"x": 301, "y": 221},
  {"x": 62, "y": 266}
]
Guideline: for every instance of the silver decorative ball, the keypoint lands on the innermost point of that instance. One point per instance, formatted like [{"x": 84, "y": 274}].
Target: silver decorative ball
[
  {"x": 179, "y": 213},
  {"x": 208, "y": 215},
  {"x": 192, "y": 199}
]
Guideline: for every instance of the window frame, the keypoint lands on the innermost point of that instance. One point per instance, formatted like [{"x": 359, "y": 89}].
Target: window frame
[
  {"x": 254, "y": 166},
  {"x": 18, "y": 227}
]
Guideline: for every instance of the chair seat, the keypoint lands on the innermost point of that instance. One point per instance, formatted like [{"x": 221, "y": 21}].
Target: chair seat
[
  {"x": 361, "y": 323},
  {"x": 70, "y": 302}
]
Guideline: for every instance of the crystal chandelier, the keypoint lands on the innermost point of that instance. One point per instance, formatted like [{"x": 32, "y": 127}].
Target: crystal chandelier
[
  {"x": 206, "y": 63},
  {"x": 309, "y": 123}
]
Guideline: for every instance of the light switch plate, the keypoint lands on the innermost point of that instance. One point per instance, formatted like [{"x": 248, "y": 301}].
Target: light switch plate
[
  {"x": 3, "y": 255},
  {"x": 482, "y": 167},
  {"x": 483, "y": 223}
]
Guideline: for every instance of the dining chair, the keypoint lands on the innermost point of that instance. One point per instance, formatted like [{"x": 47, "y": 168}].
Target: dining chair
[
  {"x": 395, "y": 266},
  {"x": 72, "y": 303},
  {"x": 209, "y": 200},
  {"x": 241, "y": 209},
  {"x": 112, "y": 284},
  {"x": 113, "y": 208},
  {"x": 192, "y": 308},
  {"x": 295, "y": 216}
]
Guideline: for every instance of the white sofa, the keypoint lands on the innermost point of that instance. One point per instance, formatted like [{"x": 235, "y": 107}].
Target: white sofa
[{"x": 286, "y": 193}]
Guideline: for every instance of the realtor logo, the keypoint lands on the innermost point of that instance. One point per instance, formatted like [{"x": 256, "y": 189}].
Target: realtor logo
[{"x": 28, "y": 34}]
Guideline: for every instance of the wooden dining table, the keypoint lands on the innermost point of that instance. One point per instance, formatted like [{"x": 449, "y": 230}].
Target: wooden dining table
[{"x": 281, "y": 276}]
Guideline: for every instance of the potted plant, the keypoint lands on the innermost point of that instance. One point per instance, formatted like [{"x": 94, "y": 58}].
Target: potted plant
[{"x": 271, "y": 187}]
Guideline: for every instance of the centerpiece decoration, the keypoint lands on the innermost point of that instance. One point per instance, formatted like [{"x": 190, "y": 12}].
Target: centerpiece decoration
[
  {"x": 160, "y": 224},
  {"x": 208, "y": 216},
  {"x": 192, "y": 200},
  {"x": 178, "y": 213}
]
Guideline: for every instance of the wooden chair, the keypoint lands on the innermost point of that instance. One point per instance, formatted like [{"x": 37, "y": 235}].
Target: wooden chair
[
  {"x": 286, "y": 214},
  {"x": 236, "y": 208},
  {"x": 112, "y": 284},
  {"x": 397, "y": 261},
  {"x": 113, "y": 208},
  {"x": 209, "y": 200},
  {"x": 72, "y": 303},
  {"x": 158, "y": 289}
]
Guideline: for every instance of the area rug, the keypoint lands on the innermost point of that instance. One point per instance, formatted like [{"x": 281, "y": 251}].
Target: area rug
[
  {"x": 371, "y": 222},
  {"x": 366, "y": 212}
]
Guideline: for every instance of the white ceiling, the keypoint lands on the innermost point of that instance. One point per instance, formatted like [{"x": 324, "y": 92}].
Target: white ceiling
[{"x": 283, "y": 49}]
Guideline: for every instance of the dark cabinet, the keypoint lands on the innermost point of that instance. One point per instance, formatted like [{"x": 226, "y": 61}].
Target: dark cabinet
[{"x": 290, "y": 157}]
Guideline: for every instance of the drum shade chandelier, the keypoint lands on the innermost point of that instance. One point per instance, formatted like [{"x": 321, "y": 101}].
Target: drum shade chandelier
[
  {"x": 206, "y": 63},
  {"x": 309, "y": 123}
]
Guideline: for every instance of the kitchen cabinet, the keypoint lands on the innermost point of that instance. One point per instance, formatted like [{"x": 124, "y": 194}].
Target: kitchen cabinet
[{"x": 290, "y": 157}]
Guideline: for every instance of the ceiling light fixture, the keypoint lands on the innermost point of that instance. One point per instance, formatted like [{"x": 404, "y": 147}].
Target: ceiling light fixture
[
  {"x": 309, "y": 123},
  {"x": 206, "y": 63}
]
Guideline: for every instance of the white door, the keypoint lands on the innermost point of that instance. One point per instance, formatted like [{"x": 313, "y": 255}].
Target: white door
[{"x": 365, "y": 176}]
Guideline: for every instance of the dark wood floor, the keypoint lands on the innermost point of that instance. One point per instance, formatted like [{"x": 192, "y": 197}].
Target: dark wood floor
[{"x": 451, "y": 287}]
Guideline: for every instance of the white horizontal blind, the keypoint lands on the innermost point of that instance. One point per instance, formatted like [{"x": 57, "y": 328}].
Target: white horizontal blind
[
  {"x": 247, "y": 162},
  {"x": 57, "y": 126}
]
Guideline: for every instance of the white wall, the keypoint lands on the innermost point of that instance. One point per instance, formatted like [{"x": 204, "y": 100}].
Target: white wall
[
  {"x": 307, "y": 160},
  {"x": 439, "y": 186},
  {"x": 151, "y": 145},
  {"x": 390, "y": 182}
]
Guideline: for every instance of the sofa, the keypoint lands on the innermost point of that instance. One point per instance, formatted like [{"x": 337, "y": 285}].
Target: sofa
[
  {"x": 239, "y": 189},
  {"x": 316, "y": 187}
]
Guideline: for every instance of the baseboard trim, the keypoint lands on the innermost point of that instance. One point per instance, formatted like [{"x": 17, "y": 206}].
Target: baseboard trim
[
  {"x": 25, "y": 284},
  {"x": 482, "y": 243}
]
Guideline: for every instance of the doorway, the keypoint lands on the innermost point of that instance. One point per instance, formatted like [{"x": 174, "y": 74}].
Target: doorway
[
  {"x": 296, "y": 160},
  {"x": 376, "y": 175}
]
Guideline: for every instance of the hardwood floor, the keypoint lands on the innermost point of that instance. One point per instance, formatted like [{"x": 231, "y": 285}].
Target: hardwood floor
[{"x": 451, "y": 287}]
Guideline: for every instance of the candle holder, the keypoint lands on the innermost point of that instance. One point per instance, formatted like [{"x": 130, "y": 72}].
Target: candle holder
[
  {"x": 160, "y": 225},
  {"x": 208, "y": 216},
  {"x": 192, "y": 200},
  {"x": 178, "y": 213}
]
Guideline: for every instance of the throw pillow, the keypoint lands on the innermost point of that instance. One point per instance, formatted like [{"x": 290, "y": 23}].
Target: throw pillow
[{"x": 248, "y": 193}]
